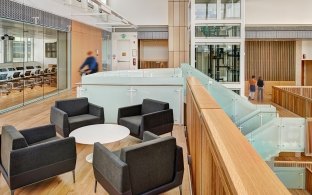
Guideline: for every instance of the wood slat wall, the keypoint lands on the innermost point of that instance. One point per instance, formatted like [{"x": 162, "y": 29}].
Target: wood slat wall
[
  {"x": 153, "y": 64},
  {"x": 222, "y": 160},
  {"x": 273, "y": 60},
  {"x": 303, "y": 164},
  {"x": 305, "y": 91}
]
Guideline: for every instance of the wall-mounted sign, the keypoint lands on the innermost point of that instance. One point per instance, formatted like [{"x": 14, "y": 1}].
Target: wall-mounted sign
[{"x": 123, "y": 36}]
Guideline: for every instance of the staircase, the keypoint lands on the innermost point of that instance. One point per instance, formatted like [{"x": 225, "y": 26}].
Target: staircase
[{"x": 268, "y": 133}]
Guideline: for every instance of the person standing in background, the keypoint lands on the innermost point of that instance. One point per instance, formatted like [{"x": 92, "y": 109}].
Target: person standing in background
[
  {"x": 252, "y": 87},
  {"x": 91, "y": 62},
  {"x": 260, "y": 85}
]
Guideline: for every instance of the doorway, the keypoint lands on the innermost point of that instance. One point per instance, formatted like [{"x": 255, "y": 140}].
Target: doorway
[
  {"x": 123, "y": 55},
  {"x": 306, "y": 73}
]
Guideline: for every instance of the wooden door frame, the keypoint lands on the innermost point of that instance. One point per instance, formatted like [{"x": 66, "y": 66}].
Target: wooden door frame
[{"x": 302, "y": 72}]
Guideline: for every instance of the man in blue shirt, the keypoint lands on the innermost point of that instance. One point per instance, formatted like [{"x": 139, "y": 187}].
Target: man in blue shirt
[{"x": 91, "y": 62}]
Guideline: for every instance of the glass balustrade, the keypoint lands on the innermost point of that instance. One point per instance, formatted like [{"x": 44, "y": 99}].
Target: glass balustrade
[
  {"x": 259, "y": 123},
  {"x": 115, "y": 89},
  {"x": 292, "y": 177}
]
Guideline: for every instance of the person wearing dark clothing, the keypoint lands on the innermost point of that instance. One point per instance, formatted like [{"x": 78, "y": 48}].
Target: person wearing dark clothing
[
  {"x": 91, "y": 63},
  {"x": 260, "y": 84}
]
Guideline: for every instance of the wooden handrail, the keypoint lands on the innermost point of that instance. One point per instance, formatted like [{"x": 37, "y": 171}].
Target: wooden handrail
[
  {"x": 222, "y": 160},
  {"x": 304, "y": 91},
  {"x": 299, "y": 103}
]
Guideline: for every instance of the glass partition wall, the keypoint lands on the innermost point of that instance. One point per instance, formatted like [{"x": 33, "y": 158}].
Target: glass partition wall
[{"x": 33, "y": 63}]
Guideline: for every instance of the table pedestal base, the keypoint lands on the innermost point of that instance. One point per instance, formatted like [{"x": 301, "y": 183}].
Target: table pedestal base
[{"x": 89, "y": 158}]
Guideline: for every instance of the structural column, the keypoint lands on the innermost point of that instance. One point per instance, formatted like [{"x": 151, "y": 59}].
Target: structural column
[{"x": 178, "y": 34}]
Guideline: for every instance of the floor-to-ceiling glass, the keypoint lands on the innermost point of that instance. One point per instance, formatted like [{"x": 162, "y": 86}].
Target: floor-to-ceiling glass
[
  {"x": 219, "y": 61},
  {"x": 33, "y": 63}
]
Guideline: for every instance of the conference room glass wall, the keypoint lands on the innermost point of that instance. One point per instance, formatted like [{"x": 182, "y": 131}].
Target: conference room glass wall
[{"x": 33, "y": 63}]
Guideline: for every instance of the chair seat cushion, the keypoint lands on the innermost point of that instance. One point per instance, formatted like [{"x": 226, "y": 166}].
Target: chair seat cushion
[
  {"x": 46, "y": 140},
  {"x": 132, "y": 123},
  {"x": 83, "y": 120}
]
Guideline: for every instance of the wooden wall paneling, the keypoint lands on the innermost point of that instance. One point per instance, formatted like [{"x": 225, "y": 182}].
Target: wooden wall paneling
[
  {"x": 177, "y": 17},
  {"x": 207, "y": 162},
  {"x": 309, "y": 180},
  {"x": 198, "y": 152},
  {"x": 84, "y": 38},
  {"x": 273, "y": 60},
  {"x": 153, "y": 64}
]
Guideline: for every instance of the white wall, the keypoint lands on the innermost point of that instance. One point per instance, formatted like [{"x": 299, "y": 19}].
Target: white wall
[
  {"x": 278, "y": 12},
  {"x": 307, "y": 49},
  {"x": 142, "y": 12},
  {"x": 154, "y": 50}
]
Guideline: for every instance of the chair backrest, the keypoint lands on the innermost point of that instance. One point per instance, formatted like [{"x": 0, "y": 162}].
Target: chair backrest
[
  {"x": 27, "y": 73},
  {"x": 16, "y": 74},
  {"x": 3, "y": 77},
  {"x": 74, "y": 107},
  {"x": 11, "y": 139},
  {"x": 151, "y": 164},
  {"x": 150, "y": 105}
]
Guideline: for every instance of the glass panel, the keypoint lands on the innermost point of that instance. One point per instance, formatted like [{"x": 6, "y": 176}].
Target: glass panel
[
  {"x": 33, "y": 80},
  {"x": 266, "y": 140},
  {"x": 292, "y": 134},
  {"x": 62, "y": 67},
  {"x": 205, "y": 9},
  {"x": 106, "y": 51},
  {"x": 220, "y": 62},
  {"x": 217, "y": 31},
  {"x": 50, "y": 61},
  {"x": 230, "y": 9},
  {"x": 11, "y": 82},
  {"x": 291, "y": 177},
  {"x": 112, "y": 87}
]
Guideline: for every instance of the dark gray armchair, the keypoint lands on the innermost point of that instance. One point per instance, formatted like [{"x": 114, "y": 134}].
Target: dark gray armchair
[
  {"x": 152, "y": 115},
  {"x": 151, "y": 167},
  {"x": 70, "y": 114},
  {"x": 35, "y": 154}
]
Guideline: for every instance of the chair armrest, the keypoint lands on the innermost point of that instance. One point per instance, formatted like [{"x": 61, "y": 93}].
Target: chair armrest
[
  {"x": 179, "y": 159},
  {"x": 155, "y": 119},
  {"x": 109, "y": 167},
  {"x": 36, "y": 134},
  {"x": 41, "y": 155},
  {"x": 148, "y": 136},
  {"x": 60, "y": 119},
  {"x": 96, "y": 111},
  {"x": 129, "y": 111}
]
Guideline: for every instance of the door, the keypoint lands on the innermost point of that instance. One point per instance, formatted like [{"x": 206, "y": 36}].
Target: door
[
  {"x": 308, "y": 73},
  {"x": 123, "y": 55}
]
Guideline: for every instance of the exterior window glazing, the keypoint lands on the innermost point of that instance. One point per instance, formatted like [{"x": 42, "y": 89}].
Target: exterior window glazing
[
  {"x": 217, "y": 31},
  {"x": 220, "y": 62},
  {"x": 205, "y": 9},
  {"x": 230, "y": 9}
]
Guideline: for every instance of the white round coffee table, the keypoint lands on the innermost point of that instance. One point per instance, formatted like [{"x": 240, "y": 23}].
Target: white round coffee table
[{"x": 103, "y": 133}]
